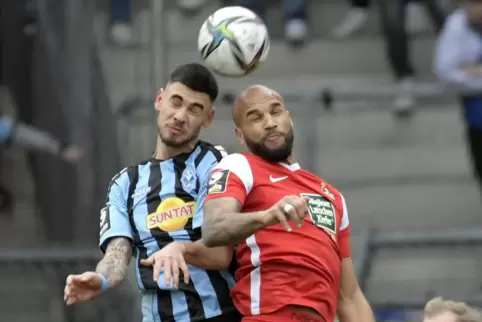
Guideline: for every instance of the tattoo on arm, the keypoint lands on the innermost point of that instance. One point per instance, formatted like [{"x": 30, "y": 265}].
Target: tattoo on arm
[
  {"x": 116, "y": 260},
  {"x": 224, "y": 225}
]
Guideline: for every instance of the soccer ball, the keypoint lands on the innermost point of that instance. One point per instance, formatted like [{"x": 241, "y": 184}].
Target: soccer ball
[{"x": 233, "y": 41}]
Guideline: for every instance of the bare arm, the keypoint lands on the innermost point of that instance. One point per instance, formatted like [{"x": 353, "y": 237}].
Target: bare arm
[
  {"x": 224, "y": 225},
  {"x": 116, "y": 260},
  {"x": 197, "y": 254},
  {"x": 352, "y": 304}
]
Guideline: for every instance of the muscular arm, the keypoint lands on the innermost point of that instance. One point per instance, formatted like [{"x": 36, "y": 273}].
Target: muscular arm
[
  {"x": 224, "y": 225},
  {"x": 116, "y": 260},
  {"x": 352, "y": 305},
  {"x": 217, "y": 258}
]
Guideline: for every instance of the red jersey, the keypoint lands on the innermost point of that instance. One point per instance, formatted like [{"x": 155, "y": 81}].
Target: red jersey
[{"x": 276, "y": 267}]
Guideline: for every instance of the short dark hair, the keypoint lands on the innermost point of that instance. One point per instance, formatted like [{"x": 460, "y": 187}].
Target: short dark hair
[{"x": 196, "y": 77}]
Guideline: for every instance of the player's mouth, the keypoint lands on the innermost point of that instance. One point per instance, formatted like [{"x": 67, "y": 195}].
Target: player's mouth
[
  {"x": 273, "y": 137},
  {"x": 175, "y": 129}
]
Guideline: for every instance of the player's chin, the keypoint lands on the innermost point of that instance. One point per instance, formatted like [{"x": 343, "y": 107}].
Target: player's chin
[
  {"x": 174, "y": 140},
  {"x": 274, "y": 144}
]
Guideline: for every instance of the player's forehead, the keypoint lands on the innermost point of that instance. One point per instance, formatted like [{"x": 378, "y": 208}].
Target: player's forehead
[
  {"x": 258, "y": 97},
  {"x": 178, "y": 90}
]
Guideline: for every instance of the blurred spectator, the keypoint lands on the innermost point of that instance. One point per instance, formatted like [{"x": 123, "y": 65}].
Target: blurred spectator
[
  {"x": 458, "y": 61},
  {"x": 121, "y": 23},
  {"x": 357, "y": 17},
  {"x": 354, "y": 20},
  {"x": 440, "y": 310},
  {"x": 392, "y": 14},
  {"x": 35, "y": 139},
  {"x": 393, "y": 20},
  {"x": 30, "y": 17},
  {"x": 296, "y": 26}
]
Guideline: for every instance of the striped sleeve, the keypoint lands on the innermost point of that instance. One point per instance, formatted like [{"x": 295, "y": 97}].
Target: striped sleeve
[
  {"x": 114, "y": 217},
  {"x": 204, "y": 168}
]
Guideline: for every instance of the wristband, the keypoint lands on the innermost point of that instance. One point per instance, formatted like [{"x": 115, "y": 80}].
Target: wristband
[{"x": 105, "y": 283}]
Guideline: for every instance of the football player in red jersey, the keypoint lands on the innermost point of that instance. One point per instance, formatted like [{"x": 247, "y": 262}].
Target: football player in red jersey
[{"x": 291, "y": 228}]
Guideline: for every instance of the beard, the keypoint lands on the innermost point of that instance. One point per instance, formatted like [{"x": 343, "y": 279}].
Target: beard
[
  {"x": 278, "y": 154},
  {"x": 173, "y": 143}
]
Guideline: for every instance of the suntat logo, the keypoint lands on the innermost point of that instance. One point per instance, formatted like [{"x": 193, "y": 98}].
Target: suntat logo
[{"x": 171, "y": 215}]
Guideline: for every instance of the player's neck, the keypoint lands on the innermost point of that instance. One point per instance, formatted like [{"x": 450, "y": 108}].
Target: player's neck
[
  {"x": 165, "y": 152},
  {"x": 290, "y": 160}
]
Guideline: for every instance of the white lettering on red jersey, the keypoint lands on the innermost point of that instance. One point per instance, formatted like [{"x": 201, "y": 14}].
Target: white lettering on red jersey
[{"x": 279, "y": 268}]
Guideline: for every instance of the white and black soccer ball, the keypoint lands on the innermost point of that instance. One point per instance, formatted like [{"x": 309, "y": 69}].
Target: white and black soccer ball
[{"x": 233, "y": 41}]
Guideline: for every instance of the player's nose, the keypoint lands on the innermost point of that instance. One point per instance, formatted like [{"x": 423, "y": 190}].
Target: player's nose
[
  {"x": 180, "y": 115},
  {"x": 269, "y": 123}
]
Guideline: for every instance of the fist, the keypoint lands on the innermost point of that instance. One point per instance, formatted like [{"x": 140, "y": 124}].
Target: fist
[{"x": 289, "y": 208}]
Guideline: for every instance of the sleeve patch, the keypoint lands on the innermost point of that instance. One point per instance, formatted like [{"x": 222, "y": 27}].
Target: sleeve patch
[
  {"x": 218, "y": 181},
  {"x": 104, "y": 221}
]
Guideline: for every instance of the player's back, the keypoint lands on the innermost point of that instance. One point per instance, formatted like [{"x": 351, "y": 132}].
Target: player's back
[{"x": 278, "y": 268}]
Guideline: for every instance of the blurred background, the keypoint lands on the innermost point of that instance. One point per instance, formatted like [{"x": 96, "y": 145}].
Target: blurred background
[{"x": 78, "y": 81}]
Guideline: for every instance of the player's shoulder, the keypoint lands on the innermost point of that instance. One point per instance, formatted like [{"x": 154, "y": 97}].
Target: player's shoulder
[
  {"x": 234, "y": 161},
  {"x": 209, "y": 150}
]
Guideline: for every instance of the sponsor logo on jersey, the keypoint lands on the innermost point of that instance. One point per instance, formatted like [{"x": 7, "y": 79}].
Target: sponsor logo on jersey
[
  {"x": 188, "y": 180},
  {"x": 326, "y": 191},
  {"x": 171, "y": 215},
  {"x": 322, "y": 213},
  {"x": 218, "y": 181}
]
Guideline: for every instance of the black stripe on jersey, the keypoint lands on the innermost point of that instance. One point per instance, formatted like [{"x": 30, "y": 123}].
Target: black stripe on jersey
[
  {"x": 194, "y": 302},
  {"x": 133, "y": 174},
  {"x": 219, "y": 284},
  {"x": 205, "y": 149},
  {"x": 164, "y": 300}
]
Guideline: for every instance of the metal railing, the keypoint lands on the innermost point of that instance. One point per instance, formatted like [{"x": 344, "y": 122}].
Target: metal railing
[{"x": 370, "y": 242}]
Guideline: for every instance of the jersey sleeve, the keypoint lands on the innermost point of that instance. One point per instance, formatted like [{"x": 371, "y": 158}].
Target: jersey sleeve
[
  {"x": 204, "y": 169},
  {"x": 114, "y": 217},
  {"x": 344, "y": 232},
  {"x": 232, "y": 177}
]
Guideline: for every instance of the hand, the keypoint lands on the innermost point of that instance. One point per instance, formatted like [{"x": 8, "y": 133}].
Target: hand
[
  {"x": 288, "y": 208},
  {"x": 72, "y": 154},
  {"x": 82, "y": 287},
  {"x": 170, "y": 259}
]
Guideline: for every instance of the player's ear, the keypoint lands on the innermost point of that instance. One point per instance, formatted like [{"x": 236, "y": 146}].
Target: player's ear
[
  {"x": 157, "y": 103},
  {"x": 239, "y": 136},
  {"x": 210, "y": 117}
]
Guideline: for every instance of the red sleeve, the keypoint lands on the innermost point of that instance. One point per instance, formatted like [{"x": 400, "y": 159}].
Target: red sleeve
[{"x": 225, "y": 183}]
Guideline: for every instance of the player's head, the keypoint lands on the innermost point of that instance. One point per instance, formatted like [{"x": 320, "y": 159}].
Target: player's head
[
  {"x": 440, "y": 310},
  {"x": 185, "y": 105},
  {"x": 474, "y": 11},
  {"x": 263, "y": 124}
]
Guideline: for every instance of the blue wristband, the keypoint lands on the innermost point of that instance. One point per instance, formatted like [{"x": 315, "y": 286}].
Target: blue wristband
[{"x": 105, "y": 283}]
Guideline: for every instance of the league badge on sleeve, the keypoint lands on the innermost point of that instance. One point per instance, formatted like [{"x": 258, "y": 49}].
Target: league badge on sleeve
[
  {"x": 218, "y": 181},
  {"x": 104, "y": 220}
]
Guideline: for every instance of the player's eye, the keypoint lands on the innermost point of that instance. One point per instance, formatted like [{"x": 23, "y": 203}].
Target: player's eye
[
  {"x": 276, "y": 111},
  {"x": 176, "y": 102},
  {"x": 195, "y": 110}
]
